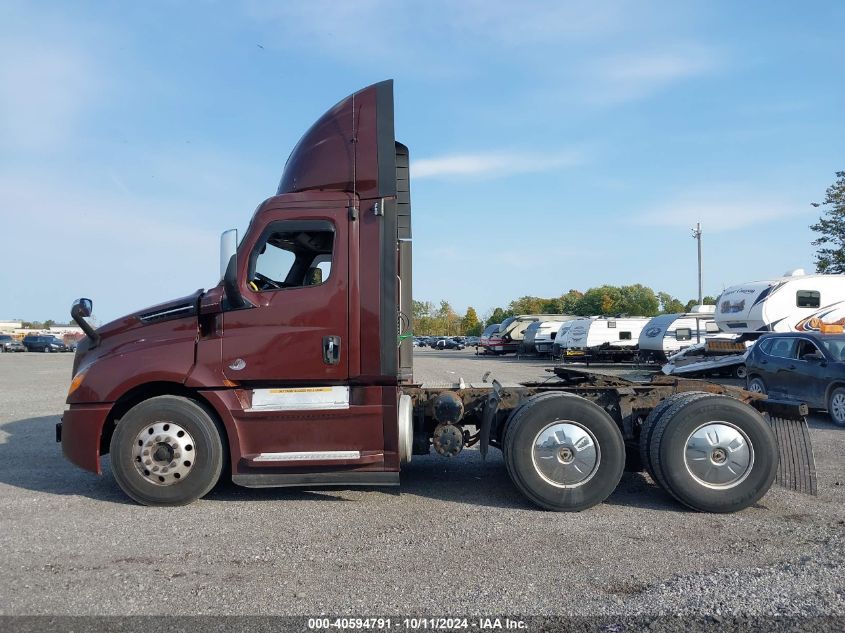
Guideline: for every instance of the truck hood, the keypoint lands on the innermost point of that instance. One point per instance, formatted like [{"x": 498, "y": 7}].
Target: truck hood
[
  {"x": 180, "y": 308},
  {"x": 139, "y": 325}
]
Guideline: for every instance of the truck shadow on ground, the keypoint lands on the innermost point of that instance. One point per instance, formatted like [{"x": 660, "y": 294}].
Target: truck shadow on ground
[
  {"x": 31, "y": 459},
  {"x": 466, "y": 479}
]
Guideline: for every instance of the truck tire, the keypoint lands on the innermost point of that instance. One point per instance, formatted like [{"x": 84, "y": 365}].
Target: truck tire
[
  {"x": 647, "y": 429},
  {"x": 167, "y": 451},
  {"x": 563, "y": 452},
  {"x": 714, "y": 454}
]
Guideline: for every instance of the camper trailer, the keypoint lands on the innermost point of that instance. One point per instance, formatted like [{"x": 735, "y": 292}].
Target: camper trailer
[
  {"x": 527, "y": 346},
  {"x": 780, "y": 305},
  {"x": 725, "y": 354},
  {"x": 603, "y": 339},
  {"x": 512, "y": 331},
  {"x": 547, "y": 334},
  {"x": 484, "y": 342},
  {"x": 794, "y": 302},
  {"x": 559, "y": 344},
  {"x": 668, "y": 334}
]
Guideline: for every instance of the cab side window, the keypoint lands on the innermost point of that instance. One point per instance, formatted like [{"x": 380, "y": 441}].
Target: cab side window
[{"x": 292, "y": 255}]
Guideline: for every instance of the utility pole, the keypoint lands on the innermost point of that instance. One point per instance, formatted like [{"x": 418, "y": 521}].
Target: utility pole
[{"x": 696, "y": 234}]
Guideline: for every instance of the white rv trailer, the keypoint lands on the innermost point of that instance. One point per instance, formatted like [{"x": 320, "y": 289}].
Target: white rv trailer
[
  {"x": 794, "y": 302},
  {"x": 603, "y": 338},
  {"x": 668, "y": 334},
  {"x": 512, "y": 329},
  {"x": 485, "y": 340},
  {"x": 547, "y": 334},
  {"x": 780, "y": 305},
  {"x": 726, "y": 354},
  {"x": 559, "y": 346},
  {"x": 527, "y": 345}
]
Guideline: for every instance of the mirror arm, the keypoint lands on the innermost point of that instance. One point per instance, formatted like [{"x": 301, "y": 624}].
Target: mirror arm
[{"x": 76, "y": 315}]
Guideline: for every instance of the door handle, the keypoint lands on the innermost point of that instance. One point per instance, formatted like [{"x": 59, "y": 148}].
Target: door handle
[
  {"x": 792, "y": 367},
  {"x": 331, "y": 350},
  {"x": 764, "y": 362}
]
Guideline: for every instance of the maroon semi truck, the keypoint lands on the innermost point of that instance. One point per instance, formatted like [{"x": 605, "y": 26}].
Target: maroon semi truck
[{"x": 296, "y": 369}]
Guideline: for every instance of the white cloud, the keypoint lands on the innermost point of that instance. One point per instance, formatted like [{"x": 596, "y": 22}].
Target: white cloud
[
  {"x": 488, "y": 164},
  {"x": 721, "y": 211},
  {"x": 631, "y": 76}
]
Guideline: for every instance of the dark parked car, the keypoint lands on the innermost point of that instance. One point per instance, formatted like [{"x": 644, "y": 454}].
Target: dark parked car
[
  {"x": 801, "y": 366},
  {"x": 37, "y": 343},
  {"x": 448, "y": 343},
  {"x": 9, "y": 344}
]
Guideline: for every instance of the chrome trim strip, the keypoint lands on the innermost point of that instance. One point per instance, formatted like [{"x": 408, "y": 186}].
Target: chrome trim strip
[{"x": 304, "y": 456}]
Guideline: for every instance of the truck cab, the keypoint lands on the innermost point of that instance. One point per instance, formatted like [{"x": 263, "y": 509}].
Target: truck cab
[{"x": 296, "y": 356}]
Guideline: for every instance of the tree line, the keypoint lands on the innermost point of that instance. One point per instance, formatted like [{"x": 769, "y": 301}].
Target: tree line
[{"x": 634, "y": 300}]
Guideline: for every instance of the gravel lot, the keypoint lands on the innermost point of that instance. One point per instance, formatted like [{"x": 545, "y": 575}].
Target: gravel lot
[{"x": 458, "y": 539}]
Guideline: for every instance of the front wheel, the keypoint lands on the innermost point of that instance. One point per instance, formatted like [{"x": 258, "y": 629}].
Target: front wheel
[
  {"x": 46, "y": 350},
  {"x": 836, "y": 406},
  {"x": 167, "y": 451},
  {"x": 563, "y": 452}
]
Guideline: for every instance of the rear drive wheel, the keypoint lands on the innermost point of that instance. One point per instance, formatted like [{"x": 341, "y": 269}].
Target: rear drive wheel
[
  {"x": 756, "y": 385},
  {"x": 647, "y": 429},
  {"x": 167, "y": 451},
  {"x": 714, "y": 454},
  {"x": 563, "y": 452},
  {"x": 740, "y": 371},
  {"x": 836, "y": 406}
]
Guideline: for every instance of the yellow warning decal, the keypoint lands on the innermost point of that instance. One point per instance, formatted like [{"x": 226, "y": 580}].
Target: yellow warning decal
[{"x": 302, "y": 390}]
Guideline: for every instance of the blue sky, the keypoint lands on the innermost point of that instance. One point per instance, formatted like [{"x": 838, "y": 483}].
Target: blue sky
[{"x": 555, "y": 145}]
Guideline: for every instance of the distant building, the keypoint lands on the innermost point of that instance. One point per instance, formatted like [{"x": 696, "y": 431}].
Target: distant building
[{"x": 7, "y": 327}]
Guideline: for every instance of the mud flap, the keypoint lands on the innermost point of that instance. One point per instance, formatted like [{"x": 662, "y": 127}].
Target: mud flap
[
  {"x": 796, "y": 467},
  {"x": 491, "y": 406}
]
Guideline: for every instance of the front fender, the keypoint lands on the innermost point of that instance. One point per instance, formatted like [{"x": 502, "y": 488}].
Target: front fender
[{"x": 162, "y": 354}]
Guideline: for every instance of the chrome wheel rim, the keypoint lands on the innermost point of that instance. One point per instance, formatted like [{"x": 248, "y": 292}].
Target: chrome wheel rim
[
  {"x": 719, "y": 455},
  {"x": 565, "y": 454},
  {"x": 755, "y": 387},
  {"x": 837, "y": 407},
  {"x": 163, "y": 453}
]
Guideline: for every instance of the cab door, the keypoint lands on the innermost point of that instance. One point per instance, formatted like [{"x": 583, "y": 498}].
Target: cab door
[{"x": 296, "y": 275}]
